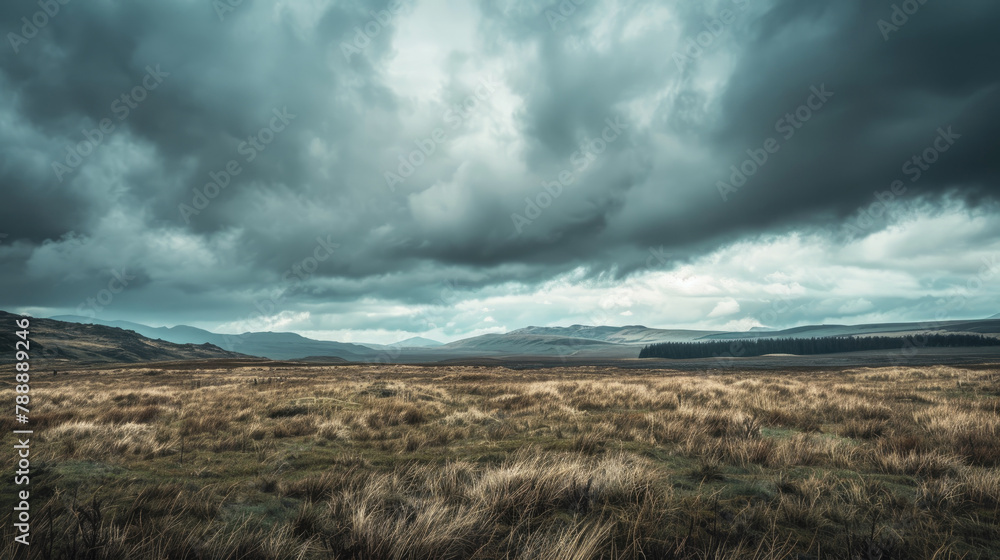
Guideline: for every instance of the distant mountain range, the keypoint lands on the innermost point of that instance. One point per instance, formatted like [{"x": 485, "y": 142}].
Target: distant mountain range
[
  {"x": 520, "y": 344},
  {"x": 56, "y": 342},
  {"x": 633, "y": 334},
  {"x": 981, "y": 326},
  {"x": 414, "y": 342},
  {"x": 276, "y": 346},
  {"x": 580, "y": 341}
]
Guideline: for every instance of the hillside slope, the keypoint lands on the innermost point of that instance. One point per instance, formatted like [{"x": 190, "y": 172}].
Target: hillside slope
[
  {"x": 273, "y": 345},
  {"x": 980, "y": 326},
  {"x": 631, "y": 334},
  {"x": 58, "y": 342}
]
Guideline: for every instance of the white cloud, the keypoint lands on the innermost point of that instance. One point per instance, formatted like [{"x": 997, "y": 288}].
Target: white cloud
[{"x": 725, "y": 307}]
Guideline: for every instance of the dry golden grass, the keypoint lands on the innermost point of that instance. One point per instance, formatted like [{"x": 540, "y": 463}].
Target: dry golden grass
[{"x": 403, "y": 462}]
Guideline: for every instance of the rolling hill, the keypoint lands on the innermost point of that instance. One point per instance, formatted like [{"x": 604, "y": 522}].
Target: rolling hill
[
  {"x": 56, "y": 342},
  {"x": 181, "y": 334},
  {"x": 981, "y": 326},
  {"x": 633, "y": 334},
  {"x": 276, "y": 346},
  {"x": 413, "y": 342},
  {"x": 518, "y": 343}
]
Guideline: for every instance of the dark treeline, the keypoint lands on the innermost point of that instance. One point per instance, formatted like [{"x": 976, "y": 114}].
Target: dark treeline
[{"x": 803, "y": 346}]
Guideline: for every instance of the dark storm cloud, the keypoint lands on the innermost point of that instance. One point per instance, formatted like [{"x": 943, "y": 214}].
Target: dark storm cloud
[
  {"x": 222, "y": 85},
  {"x": 891, "y": 97},
  {"x": 358, "y": 109}
]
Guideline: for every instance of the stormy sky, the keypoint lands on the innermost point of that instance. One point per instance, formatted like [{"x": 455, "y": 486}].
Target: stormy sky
[{"x": 370, "y": 171}]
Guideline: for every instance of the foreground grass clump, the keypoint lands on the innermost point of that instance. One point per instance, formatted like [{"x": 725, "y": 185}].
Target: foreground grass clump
[{"x": 266, "y": 460}]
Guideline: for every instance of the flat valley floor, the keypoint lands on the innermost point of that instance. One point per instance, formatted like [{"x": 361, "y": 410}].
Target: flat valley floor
[{"x": 277, "y": 460}]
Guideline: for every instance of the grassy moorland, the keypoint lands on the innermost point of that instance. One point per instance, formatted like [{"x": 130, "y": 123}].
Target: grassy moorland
[{"x": 397, "y": 462}]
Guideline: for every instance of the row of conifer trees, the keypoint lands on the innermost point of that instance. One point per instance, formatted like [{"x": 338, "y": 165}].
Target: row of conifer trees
[{"x": 805, "y": 346}]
